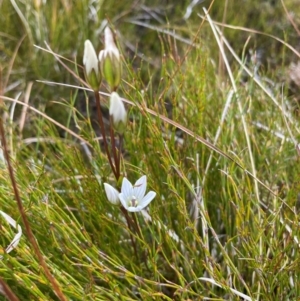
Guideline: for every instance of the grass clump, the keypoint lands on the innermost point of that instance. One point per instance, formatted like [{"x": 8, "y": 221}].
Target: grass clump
[{"x": 201, "y": 116}]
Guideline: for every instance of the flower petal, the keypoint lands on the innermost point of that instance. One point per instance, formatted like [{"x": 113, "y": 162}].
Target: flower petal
[
  {"x": 101, "y": 55},
  {"x": 123, "y": 201},
  {"x": 17, "y": 237},
  {"x": 110, "y": 44},
  {"x": 134, "y": 209},
  {"x": 147, "y": 199},
  {"x": 112, "y": 194},
  {"x": 117, "y": 110},
  {"x": 126, "y": 189},
  {"x": 139, "y": 188},
  {"x": 90, "y": 60}
]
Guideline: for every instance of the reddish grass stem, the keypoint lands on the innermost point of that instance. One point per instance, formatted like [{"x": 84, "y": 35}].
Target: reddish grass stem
[
  {"x": 101, "y": 124},
  {"x": 29, "y": 233},
  {"x": 7, "y": 291}
]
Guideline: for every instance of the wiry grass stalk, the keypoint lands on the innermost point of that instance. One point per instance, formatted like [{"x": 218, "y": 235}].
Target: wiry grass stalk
[
  {"x": 185, "y": 127},
  {"x": 29, "y": 233},
  {"x": 246, "y": 132}
]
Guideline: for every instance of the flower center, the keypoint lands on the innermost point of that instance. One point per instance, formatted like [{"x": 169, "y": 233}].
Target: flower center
[{"x": 133, "y": 202}]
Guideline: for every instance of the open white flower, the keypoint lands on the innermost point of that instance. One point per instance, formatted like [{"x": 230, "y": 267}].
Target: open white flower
[
  {"x": 112, "y": 194},
  {"x": 133, "y": 198}
]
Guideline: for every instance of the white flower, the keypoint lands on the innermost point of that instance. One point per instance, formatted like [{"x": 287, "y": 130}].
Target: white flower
[
  {"x": 117, "y": 112},
  {"x": 91, "y": 65},
  {"x": 133, "y": 198},
  {"x": 112, "y": 194}
]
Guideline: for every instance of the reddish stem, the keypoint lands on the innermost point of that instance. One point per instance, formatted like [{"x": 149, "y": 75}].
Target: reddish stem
[
  {"x": 101, "y": 124},
  {"x": 29, "y": 233}
]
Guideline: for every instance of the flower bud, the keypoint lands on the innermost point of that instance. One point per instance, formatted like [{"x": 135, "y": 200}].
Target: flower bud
[
  {"x": 91, "y": 66},
  {"x": 112, "y": 194},
  {"x": 110, "y": 63},
  {"x": 117, "y": 112}
]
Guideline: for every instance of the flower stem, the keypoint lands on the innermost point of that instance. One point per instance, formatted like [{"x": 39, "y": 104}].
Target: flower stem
[
  {"x": 137, "y": 226},
  {"x": 101, "y": 124},
  {"x": 131, "y": 227},
  {"x": 121, "y": 138},
  {"x": 114, "y": 149}
]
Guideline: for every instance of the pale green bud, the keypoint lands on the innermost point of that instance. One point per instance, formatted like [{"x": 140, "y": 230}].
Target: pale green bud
[{"x": 110, "y": 63}]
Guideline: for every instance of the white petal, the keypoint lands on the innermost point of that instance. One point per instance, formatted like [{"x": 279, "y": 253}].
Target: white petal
[
  {"x": 113, "y": 52},
  {"x": 112, "y": 194},
  {"x": 90, "y": 60},
  {"x": 17, "y": 237},
  {"x": 134, "y": 209},
  {"x": 126, "y": 189},
  {"x": 117, "y": 108},
  {"x": 139, "y": 188},
  {"x": 110, "y": 45},
  {"x": 15, "y": 241},
  {"x": 147, "y": 199},
  {"x": 108, "y": 37},
  {"x": 101, "y": 55},
  {"x": 123, "y": 201}
]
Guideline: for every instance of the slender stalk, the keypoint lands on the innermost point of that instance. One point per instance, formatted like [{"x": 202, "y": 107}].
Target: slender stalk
[
  {"x": 121, "y": 138},
  {"x": 144, "y": 255},
  {"x": 29, "y": 233},
  {"x": 114, "y": 149},
  {"x": 137, "y": 226},
  {"x": 101, "y": 124},
  {"x": 7, "y": 291},
  {"x": 131, "y": 226}
]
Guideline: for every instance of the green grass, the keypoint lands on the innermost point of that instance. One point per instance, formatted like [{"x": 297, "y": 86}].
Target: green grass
[{"x": 217, "y": 145}]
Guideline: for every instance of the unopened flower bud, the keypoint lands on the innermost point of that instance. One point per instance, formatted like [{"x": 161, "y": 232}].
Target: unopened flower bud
[
  {"x": 91, "y": 66},
  {"x": 112, "y": 194},
  {"x": 117, "y": 112},
  {"x": 110, "y": 63}
]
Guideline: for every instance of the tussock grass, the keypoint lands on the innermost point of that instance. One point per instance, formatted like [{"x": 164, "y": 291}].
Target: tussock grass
[{"x": 217, "y": 141}]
